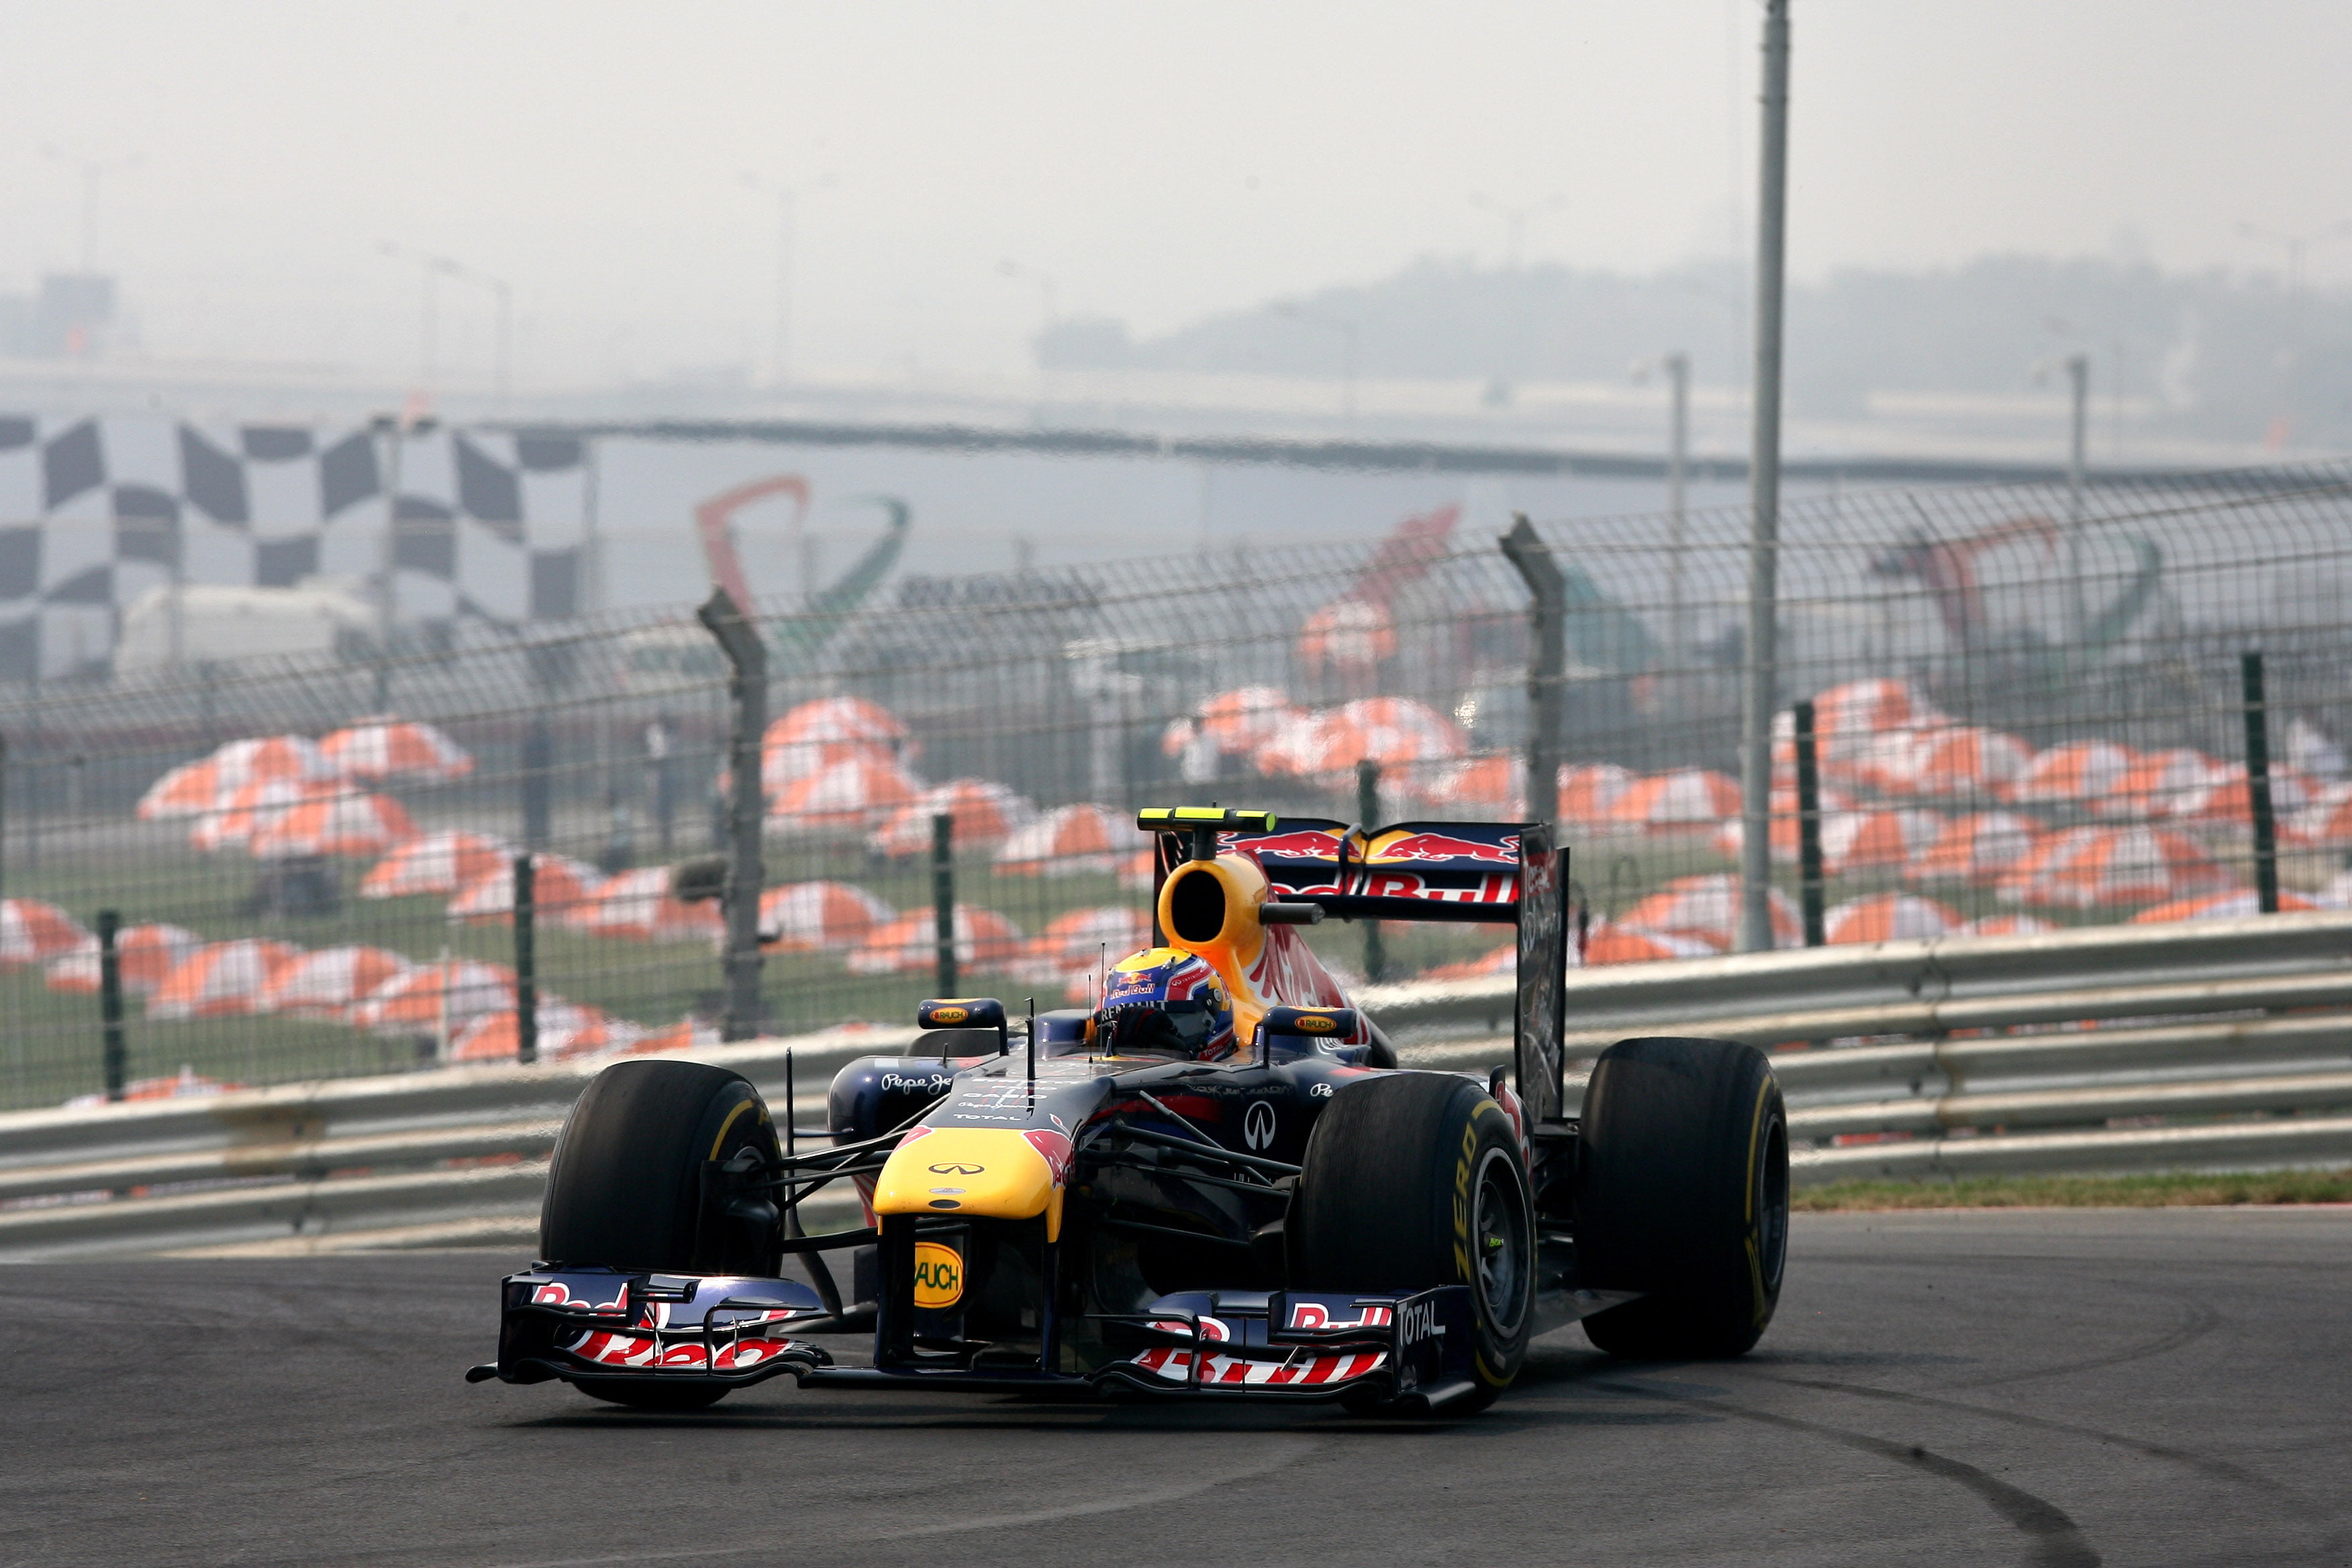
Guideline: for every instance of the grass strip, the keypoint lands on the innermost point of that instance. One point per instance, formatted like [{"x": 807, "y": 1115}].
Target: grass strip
[{"x": 2173, "y": 1190}]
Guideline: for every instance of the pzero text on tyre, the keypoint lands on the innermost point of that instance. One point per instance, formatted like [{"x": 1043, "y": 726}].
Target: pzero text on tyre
[{"x": 1414, "y": 1181}]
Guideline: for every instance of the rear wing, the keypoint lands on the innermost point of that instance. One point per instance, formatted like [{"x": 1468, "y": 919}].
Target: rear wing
[{"x": 1499, "y": 873}]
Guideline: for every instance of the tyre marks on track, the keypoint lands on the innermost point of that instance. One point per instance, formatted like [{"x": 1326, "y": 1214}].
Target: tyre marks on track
[
  {"x": 2333, "y": 1541},
  {"x": 1282, "y": 1453},
  {"x": 2197, "y": 1321},
  {"x": 2053, "y": 1539}
]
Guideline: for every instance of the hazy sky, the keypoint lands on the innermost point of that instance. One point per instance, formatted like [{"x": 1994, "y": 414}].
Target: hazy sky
[{"x": 1156, "y": 162}]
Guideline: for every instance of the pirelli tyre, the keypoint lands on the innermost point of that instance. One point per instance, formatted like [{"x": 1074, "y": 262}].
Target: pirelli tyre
[
  {"x": 1683, "y": 1193},
  {"x": 631, "y": 1187},
  {"x": 1415, "y": 1179}
]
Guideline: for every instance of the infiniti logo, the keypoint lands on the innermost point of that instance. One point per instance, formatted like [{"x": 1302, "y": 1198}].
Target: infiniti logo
[
  {"x": 957, "y": 1170},
  {"x": 1257, "y": 1126}
]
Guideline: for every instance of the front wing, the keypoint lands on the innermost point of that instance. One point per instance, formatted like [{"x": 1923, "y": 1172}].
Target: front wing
[
  {"x": 601, "y": 1323},
  {"x": 576, "y": 1323},
  {"x": 1415, "y": 1347}
]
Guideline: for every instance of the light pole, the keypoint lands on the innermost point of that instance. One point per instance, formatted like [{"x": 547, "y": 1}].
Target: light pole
[
  {"x": 1516, "y": 218},
  {"x": 94, "y": 173},
  {"x": 2297, "y": 246},
  {"x": 1348, "y": 331},
  {"x": 1676, "y": 367},
  {"x": 1049, "y": 301},
  {"x": 428, "y": 321},
  {"x": 437, "y": 266},
  {"x": 780, "y": 348},
  {"x": 2077, "y": 367},
  {"x": 389, "y": 426},
  {"x": 2078, "y": 381},
  {"x": 1764, "y": 497}
]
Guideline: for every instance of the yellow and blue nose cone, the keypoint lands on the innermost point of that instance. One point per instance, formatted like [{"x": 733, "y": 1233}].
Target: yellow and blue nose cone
[{"x": 992, "y": 1173}]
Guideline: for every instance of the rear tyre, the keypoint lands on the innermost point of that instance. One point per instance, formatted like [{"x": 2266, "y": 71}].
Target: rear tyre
[
  {"x": 1683, "y": 1194},
  {"x": 1416, "y": 1180},
  {"x": 628, "y": 1189}
]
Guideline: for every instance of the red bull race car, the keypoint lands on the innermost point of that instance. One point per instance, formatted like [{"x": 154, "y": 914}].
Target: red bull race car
[{"x": 1217, "y": 1182}]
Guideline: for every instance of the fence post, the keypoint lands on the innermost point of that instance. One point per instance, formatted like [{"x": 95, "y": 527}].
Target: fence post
[
  {"x": 1809, "y": 824},
  {"x": 538, "y": 758},
  {"x": 663, "y": 779},
  {"x": 1368, "y": 812},
  {"x": 943, "y": 903},
  {"x": 747, "y": 652},
  {"x": 526, "y": 960},
  {"x": 110, "y": 1002},
  {"x": 1547, "y": 662},
  {"x": 3, "y": 811},
  {"x": 2258, "y": 786}
]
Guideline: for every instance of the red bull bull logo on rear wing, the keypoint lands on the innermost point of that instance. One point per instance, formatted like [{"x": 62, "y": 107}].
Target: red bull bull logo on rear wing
[
  {"x": 1409, "y": 870},
  {"x": 1483, "y": 844}
]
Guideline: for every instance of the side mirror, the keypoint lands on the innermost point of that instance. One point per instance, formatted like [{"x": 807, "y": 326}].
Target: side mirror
[
  {"x": 965, "y": 1013},
  {"x": 1317, "y": 1028},
  {"x": 1322, "y": 1023}
]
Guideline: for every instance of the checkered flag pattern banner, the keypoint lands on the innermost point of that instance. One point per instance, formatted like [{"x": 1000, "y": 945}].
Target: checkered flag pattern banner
[{"x": 96, "y": 513}]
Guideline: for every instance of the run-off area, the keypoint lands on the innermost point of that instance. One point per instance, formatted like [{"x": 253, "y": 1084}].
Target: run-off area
[{"x": 2033, "y": 1387}]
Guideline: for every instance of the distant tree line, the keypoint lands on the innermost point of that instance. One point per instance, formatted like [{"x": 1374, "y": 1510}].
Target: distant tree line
[{"x": 2213, "y": 354}]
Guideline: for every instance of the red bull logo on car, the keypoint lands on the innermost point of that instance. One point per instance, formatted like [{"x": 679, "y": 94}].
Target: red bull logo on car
[
  {"x": 1501, "y": 850},
  {"x": 1499, "y": 888}
]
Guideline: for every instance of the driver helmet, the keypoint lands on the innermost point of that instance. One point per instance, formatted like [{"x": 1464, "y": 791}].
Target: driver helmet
[{"x": 1164, "y": 1002}]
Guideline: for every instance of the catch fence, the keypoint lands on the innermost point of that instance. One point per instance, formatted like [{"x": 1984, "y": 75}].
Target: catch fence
[{"x": 2031, "y": 708}]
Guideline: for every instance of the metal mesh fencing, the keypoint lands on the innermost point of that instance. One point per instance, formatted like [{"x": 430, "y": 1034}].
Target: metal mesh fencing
[{"x": 2031, "y": 706}]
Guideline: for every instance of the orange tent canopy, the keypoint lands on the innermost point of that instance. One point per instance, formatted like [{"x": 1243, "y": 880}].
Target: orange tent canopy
[
  {"x": 388, "y": 746},
  {"x": 352, "y": 825},
  {"x": 820, "y": 917},
  {"x": 851, "y": 793},
  {"x": 2235, "y": 905},
  {"x": 326, "y": 982},
  {"x": 980, "y": 812},
  {"x": 563, "y": 890},
  {"x": 1066, "y": 841},
  {"x": 221, "y": 979},
  {"x": 445, "y": 862},
  {"x": 33, "y": 930},
  {"x": 638, "y": 906},
  {"x": 984, "y": 939},
  {"x": 144, "y": 954},
  {"x": 1887, "y": 917},
  {"x": 1686, "y": 797}
]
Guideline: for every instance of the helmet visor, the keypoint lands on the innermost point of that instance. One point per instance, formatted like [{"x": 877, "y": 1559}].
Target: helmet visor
[{"x": 1153, "y": 1028}]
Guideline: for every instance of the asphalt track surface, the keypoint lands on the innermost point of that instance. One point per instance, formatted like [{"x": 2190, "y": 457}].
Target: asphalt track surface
[{"x": 2162, "y": 1387}]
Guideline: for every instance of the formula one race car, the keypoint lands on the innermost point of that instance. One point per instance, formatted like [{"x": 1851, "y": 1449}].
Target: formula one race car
[{"x": 1216, "y": 1182}]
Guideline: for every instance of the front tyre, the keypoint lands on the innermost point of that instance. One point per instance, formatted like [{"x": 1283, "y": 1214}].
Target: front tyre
[
  {"x": 1684, "y": 1196},
  {"x": 1416, "y": 1180},
  {"x": 635, "y": 1186}
]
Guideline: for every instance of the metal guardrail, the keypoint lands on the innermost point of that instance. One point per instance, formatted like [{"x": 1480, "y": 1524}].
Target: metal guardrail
[
  {"x": 2237, "y": 1041},
  {"x": 417, "y": 1159},
  {"x": 2238, "y": 1019},
  {"x": 1937, "y": 984}
]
